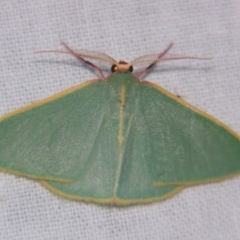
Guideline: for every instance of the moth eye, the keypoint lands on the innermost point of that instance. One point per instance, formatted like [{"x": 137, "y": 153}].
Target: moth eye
[
  {"x": 130, "y": 69},
  {"x": 113, "y": 68}
]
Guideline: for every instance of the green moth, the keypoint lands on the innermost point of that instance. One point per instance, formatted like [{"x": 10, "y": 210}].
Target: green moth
[{"x": 117, "y": 140}]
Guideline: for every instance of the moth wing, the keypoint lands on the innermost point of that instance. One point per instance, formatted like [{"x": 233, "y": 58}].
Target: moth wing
[
  {"x": 56, "y": 138},
  {"x": 187, "y": 145}
]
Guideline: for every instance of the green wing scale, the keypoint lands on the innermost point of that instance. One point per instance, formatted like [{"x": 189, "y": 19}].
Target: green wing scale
[{"x": 117, "y": 141}]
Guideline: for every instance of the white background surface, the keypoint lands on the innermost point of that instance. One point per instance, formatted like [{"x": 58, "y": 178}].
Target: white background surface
[{"x": 125, "y": 30}]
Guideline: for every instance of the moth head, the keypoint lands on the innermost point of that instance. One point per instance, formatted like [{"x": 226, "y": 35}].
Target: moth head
[{"x": 122, "y": 67}]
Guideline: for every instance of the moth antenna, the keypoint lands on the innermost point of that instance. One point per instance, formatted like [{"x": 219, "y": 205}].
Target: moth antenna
[
  {"x": 78, "y": 56},
  {"x": 154, "y": 59},
  {"x": 144, "y": 71},
  {"x": 81, "y": 54}
]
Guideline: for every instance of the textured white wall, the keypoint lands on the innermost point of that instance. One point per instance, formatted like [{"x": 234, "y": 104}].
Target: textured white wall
[{"x": 123, "y": 29}]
